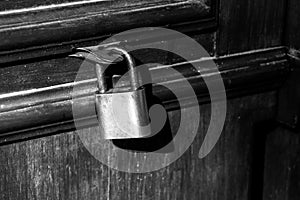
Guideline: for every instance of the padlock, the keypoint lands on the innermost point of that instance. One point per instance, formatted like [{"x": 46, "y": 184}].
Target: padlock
[{"x": 122, "y": 111}]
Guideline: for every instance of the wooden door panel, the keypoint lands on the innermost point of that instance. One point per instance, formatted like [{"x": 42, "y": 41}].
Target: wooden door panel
[
  {"x": 42, "y": 156},
  {"x": 59, "y": 167},
  {"x": 59, "y": 69},
  {"x": 282, "y": 165},
  {"x": 47, "y": 110},
  {"x": 250, "y": 24},
  {"x": 64, "y": 25}
]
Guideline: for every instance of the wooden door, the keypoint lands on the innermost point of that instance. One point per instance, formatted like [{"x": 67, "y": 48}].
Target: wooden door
[{"x": 42, "y": 156}]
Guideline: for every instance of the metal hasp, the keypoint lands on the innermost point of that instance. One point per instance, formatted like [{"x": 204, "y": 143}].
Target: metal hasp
[{"x": 122, "y": 110}]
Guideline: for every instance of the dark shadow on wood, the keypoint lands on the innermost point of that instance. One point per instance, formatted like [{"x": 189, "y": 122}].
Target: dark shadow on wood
[{"x": 261, "y": 130}]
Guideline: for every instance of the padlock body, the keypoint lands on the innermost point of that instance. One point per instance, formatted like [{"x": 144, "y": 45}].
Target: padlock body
[{"x": 123, "y": 114}]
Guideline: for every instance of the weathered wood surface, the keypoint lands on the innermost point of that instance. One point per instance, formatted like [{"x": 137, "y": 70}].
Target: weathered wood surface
[
  {"x": 58, "y": 69},
  {"x": 282, "y": 165},
  {"x": 46, "y": 31},
  {"x": 59, "y": 167},
  {"x": 250, "y": 24},
  {"x": 24, "y": 115},
  {"x": 288, "y": 98},
  {"x": 22, "y": 4},
  {"x": 282, "y": 156},
  {"x": 292, "y": 21}
]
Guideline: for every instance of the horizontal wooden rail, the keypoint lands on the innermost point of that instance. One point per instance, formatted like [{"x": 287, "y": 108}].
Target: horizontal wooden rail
[
  {"x": 55, "y": 29},
  {"x": 41, "y": 112}
]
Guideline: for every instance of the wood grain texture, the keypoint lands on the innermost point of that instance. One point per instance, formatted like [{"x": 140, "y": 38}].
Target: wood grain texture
[
  {"x": 59, "y": 167},
  {"x": 282, "y": 165},
  {"x": 289, "y": 95},
  {"x": 22, "y": 114},
  {"x": 61, "y": 25},
  {"x": 250, "y": 24},
  {"x": 56, "y": 69},
  {"x": 292, "y": 20},
  {"x": 21, "y": 4}
]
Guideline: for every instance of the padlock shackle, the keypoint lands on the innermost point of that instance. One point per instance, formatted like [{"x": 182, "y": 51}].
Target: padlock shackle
[
  {"x": 88, "y": 54},
  {"x": 131, "y": 66},
  {"x": 102, "y": 86}
]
